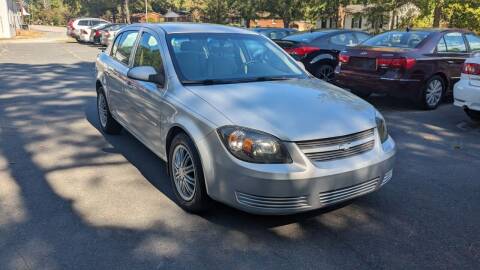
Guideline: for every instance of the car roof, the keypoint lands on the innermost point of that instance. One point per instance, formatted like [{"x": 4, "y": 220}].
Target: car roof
[
  {"x": 93, "y": 19},
  {"x": 175, "y": 28},
  {"x": 437, "y": 30},
  {"x": 271, "y": 28}
]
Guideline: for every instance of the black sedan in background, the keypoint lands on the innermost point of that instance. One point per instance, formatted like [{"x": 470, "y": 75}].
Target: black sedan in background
[
  {"x": 421, "y": 64},
  {"x": 318, "y": 49},
  {"x": 274, "y": 33}
]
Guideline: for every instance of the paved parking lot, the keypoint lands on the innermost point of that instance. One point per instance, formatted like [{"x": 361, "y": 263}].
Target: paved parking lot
[{"x": 73, "y": 198}]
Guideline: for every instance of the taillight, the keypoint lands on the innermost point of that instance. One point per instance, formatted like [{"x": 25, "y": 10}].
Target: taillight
[
  {"x": 97, "y": 33},
  {"x": 406, "y": 63},
  {"x": 301, "y": 51},
  {"x": 471, "y": 69},
  {"x": 343, "y": 58}
]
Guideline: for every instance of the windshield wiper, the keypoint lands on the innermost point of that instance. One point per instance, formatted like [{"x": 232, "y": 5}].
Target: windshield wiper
[
  {"x": 229, "y": 81},
  {"x": 206, "y": 82},
  {"x": 271, "y": 78}
]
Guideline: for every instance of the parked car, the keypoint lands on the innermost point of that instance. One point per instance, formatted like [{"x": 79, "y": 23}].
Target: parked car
[
  {"x": 422, "y": 64},
  {"x": 239, "y": 121},
  {"x": 318, "y": 49},
  {"x": 96, "y": 35},
  {"x": 86, "y": 35},
  {"x": 75, "y": 27},
  {"x": 467, "y": 91},
  {"x": 108, "y": 34},
  {"x": 274, "y": 33}
]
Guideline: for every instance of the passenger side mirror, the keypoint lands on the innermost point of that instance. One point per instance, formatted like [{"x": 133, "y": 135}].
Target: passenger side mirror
[{"x": 147, "y": 74}]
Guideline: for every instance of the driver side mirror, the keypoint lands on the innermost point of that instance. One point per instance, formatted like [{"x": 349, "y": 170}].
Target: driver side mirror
[
  {"x": 301, "y": 64},
  {"x": 147, "y": 74}
]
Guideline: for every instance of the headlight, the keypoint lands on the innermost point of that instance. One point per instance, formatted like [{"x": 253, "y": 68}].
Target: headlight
[
  {"x": 253, "y": 146},
  {"x": 381, "y": 127}
]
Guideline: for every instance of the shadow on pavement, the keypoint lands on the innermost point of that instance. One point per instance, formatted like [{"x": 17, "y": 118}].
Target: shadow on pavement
[{"x": 79, "y": 200}]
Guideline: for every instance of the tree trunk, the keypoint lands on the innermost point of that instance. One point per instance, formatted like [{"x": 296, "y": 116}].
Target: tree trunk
[
  {"x": 437, "y": 15},
  {"x": 247, "y": 22},
  {"x": 127, "y": 11}
]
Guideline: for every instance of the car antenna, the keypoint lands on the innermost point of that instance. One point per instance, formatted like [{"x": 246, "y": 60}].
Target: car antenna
[{"x": 408, "y": 29}]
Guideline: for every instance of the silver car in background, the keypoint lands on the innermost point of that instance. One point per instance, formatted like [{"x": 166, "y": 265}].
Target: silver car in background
[{"x": 239, "y": 121}]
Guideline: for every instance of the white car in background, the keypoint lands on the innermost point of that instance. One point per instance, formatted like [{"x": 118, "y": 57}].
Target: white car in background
[
  {"x": 75, "y": 27},
  {"x": 467, "y": 91},
  {"x": 107, "y": 36}
]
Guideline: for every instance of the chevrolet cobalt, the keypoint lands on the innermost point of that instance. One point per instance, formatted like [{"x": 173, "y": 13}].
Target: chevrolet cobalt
[{"x": 239, "y": 121}]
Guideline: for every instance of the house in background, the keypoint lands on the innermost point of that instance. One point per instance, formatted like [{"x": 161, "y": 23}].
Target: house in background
[
  {"x": 354, "y": 17},
  {"x": 10, "y": 18}
]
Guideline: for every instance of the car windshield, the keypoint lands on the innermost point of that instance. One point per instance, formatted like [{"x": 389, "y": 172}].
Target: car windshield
[
  {"x": 306, "y": 37},
  {"x": 228, "y": 58},
  {"x": 397, "y": 39}
]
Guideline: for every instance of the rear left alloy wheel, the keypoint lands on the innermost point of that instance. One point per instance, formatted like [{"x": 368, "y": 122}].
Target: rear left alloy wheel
[
  {"x": 186, "y": 175},
  {"x": 108, "y": 124},
  {"x": 433, "y": 93}
]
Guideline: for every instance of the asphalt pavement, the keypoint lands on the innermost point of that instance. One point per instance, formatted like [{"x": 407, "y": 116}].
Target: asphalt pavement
[{"x": 74, "y": 198}]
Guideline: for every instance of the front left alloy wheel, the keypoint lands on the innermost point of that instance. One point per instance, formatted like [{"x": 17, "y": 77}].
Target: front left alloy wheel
[{"x": 186, "y": 175}]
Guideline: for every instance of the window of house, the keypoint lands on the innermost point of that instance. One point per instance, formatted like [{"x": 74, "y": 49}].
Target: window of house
[
  {"x": 333, "y": 23},
  {"x": 455, "y": 42},
  {"x": 357, "y": 22},
  {"x": 323, "y": 23}
]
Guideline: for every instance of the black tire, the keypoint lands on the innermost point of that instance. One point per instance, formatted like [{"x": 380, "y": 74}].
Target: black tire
[
  {"x": 474, "y": 115},
  {"x": 109, "y": 125},
  {"x": 362, "y": 94},
  {"x": 428, "y": 101},
  {"x": 199, "y": 201},
  {"x": 325, "y": 72}
]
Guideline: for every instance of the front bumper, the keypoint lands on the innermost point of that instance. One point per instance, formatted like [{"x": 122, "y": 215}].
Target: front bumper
[
  {"x": 297, "y": 187},
  {"x": 372, "y": 83},
  {"x": 466, "y": 95}
]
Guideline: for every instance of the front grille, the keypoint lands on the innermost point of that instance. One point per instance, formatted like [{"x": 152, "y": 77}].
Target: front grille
[
  {"x": 276, "y": 203},
  {"x": 338, "y": 147},
  {"x": 338, "y": 195}
]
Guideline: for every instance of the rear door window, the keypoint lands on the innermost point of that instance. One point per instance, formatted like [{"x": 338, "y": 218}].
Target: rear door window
[
  {"x": 455, "y": 43},
  {"x": 473, "y": 41},
  {"x": 125, "y": 47}
]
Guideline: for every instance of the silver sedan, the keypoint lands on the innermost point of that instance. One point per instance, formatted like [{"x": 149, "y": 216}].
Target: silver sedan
[{"x": 239, "y": 121}]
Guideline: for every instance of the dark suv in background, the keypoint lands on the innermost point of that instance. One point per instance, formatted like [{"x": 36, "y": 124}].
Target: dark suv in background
[
  {"x": 318, "y": 49},
  {"x": 421, "y": 64}
]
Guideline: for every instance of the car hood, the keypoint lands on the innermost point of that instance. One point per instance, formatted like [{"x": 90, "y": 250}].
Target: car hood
[{"x": 292, "y": 110}]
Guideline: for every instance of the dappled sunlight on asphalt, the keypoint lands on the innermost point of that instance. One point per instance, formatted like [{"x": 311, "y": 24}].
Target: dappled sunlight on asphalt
[{"x": 74, "y": 198}]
